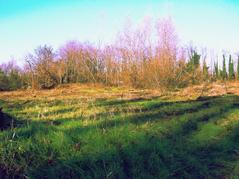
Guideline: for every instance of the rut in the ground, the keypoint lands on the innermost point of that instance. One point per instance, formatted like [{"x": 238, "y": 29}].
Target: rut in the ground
[{"x": 5, "y": 120}]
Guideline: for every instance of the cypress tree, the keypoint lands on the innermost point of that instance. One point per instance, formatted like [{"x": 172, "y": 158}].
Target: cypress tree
[
  {"x": 238, "y": 67},
  {"x": 216, "y": 70},
  {"x": 224, "y": 70},
  {"x": 231, "y": 68}
]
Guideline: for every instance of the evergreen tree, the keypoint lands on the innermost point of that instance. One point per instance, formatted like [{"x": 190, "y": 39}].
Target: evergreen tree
[
  {"x": 216, "y": 70},
  {"x": 14, "y": 80},
  {"x": 193, "y": 65},
  {"x": 231, "y": 68},
  {"x": 194, "y": 61},
  {"x": 4, "y": 82},
  {"x": 224, "y": 70},
  {"x": 238, "y": 67}
]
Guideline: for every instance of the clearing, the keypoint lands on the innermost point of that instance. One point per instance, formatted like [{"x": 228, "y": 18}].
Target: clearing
[{"x": 79, "y": 131}]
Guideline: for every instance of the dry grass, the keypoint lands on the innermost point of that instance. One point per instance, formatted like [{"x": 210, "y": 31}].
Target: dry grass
[
  {"x": 90, "y": 91},
  {"x": 80, "y": 91}
]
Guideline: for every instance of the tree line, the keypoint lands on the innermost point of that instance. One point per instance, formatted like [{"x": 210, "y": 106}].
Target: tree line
[{"x": 142, "y": 58}]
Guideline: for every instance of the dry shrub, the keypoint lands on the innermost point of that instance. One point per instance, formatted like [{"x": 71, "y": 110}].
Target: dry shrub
[{"x": 147, "y": 56}]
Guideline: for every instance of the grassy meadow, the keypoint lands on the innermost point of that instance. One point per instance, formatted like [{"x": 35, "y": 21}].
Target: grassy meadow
[{"x": 78, "y": 131}]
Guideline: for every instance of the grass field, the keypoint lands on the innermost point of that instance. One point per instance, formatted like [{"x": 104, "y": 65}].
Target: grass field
[{"x": 96, "y": 132}]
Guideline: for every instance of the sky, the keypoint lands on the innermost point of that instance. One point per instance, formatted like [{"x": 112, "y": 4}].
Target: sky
[{"x": 27, "y": 24}]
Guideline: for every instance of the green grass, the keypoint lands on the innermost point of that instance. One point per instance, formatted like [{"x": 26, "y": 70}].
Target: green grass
[{"x": 106, "y": 138}]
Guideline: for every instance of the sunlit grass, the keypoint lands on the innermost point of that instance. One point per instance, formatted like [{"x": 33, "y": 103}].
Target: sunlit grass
[{"x": 121, "y": 138}]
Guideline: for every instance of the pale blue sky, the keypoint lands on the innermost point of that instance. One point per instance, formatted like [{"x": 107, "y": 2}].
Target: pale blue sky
[{"x": 26, "y": 24}]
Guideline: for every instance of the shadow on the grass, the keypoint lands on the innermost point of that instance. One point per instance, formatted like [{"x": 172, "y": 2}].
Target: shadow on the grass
[
  {"x": 150, "y": 113},
  {"x": 7, "y": 121},
  {"x": 153, "y": 157},
  {"x": 170, "y": 155}
]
